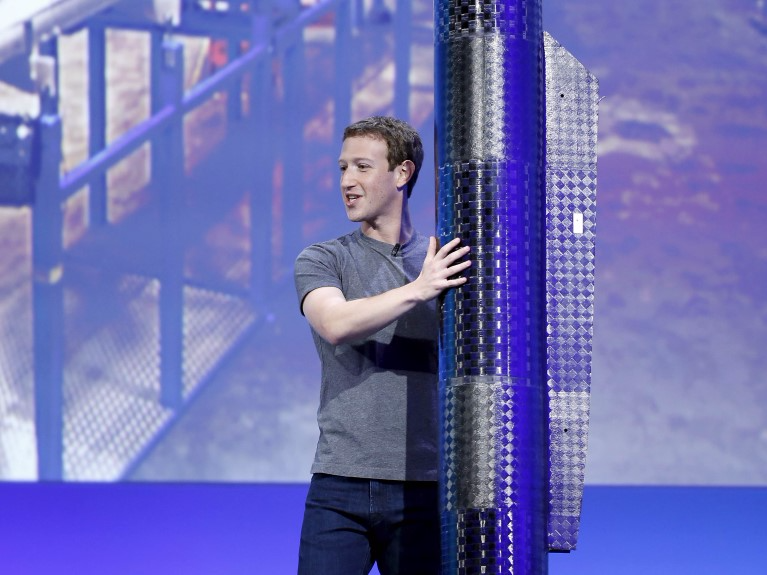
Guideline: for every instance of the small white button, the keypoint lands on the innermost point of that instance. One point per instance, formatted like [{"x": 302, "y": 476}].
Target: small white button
[{"x": 577, "y": 222}]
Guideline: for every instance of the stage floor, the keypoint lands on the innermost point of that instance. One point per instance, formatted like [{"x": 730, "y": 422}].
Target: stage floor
[{"x": 238, "y": 529}]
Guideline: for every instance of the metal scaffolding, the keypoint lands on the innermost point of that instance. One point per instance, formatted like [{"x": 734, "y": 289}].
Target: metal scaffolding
[{"x": 125, "y": 328}]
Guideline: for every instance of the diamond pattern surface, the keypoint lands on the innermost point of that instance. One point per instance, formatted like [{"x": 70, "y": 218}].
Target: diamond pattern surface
[
  {"x": 513, "y": 20},
  {"x": 571, "y": 156},
  {"x": 493, "y": 339},
  {"x": 493, "y": 474}
]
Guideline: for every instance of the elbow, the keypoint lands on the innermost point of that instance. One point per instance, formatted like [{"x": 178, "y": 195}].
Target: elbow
[
  {"x": 335, "y": 337},
  {"x": 330, "y": 320},
  {"x": 331, "y": 333},
  {"x": 340, "y": 333}
]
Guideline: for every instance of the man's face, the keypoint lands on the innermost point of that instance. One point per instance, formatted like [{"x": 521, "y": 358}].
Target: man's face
[{"x": 369, "y": 189}]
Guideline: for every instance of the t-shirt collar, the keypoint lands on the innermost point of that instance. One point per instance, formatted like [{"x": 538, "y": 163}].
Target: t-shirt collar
[{"x": 385, "y": 248}]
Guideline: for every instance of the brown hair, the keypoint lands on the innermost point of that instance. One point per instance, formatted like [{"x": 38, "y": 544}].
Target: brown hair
[{"x": 402, "y": 141}]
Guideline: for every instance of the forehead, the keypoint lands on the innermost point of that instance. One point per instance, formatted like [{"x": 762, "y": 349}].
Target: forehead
[{"x": 370, "y": 147}]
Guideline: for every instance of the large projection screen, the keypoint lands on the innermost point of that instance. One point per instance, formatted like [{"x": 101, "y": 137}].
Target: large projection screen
[{"x": 678, "y": 390}]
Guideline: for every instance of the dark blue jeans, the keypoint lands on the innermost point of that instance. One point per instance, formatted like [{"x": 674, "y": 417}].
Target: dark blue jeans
[{"x": 351, "y": 523}]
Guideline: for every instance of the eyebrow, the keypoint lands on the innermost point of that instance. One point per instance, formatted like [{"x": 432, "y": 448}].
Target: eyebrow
[{"x": 356, "y": 160}]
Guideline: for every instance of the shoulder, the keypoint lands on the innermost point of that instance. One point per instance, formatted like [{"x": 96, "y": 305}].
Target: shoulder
[
  {"x": 322, "y": 251},
  {"x": 329, "y": 258},
  {"x": 324, "y": 264}
]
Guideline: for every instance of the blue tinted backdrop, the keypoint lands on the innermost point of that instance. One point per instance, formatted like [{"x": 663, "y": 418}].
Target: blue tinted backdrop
[{"x": 678, "y": 389}]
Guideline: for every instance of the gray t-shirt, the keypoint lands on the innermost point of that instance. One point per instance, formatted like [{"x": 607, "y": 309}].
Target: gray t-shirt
[{"x": 378, "y": 396}]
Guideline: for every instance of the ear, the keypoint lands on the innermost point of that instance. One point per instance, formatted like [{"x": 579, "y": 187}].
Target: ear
[{"x": 404, "y": 173}]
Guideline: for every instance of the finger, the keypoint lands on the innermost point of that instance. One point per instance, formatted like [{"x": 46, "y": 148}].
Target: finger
[
  {"x": 431, "y": 252},
  {"x": 459, "y": 267},
  {"x": 453, "y": 282},
  {"x": 457, "y": 271},
  {"x": 449, "y": 246},
  {"x": 456, "y": 254}
]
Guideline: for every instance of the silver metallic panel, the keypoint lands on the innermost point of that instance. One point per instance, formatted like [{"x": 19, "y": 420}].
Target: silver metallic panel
[
  {"x": 489, "y": 107},
  {"x": 475, "y": 87},
  {"x": 483, "y": 418},
  {"x": 571, "y": 157}
]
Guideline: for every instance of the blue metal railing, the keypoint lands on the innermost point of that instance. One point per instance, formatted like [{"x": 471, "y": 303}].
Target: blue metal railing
[{"x": 164, "y": 130}]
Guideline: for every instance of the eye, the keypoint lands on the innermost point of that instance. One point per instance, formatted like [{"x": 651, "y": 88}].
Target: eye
[{"x": 363, "y": 167}]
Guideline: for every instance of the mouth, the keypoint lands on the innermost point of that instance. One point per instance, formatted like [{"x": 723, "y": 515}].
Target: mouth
[{"x": 351, "y": 199}]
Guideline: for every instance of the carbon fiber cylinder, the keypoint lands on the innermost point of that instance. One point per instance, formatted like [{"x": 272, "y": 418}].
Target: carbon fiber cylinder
[{"x": 490, "y": 153}]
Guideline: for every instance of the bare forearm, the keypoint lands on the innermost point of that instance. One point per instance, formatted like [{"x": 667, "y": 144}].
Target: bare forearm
[
  {"x": 345, "y": 321},
  {"x": 339, "y": 320}
]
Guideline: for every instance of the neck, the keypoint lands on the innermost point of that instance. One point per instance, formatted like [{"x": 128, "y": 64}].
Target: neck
[{"x": 392, "y": 231}]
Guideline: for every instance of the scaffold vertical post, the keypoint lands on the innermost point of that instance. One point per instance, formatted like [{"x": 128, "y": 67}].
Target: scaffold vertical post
[
  {"x": 234, "y": 93},
  {"x": 155, "y": 79},
  {"x": 169, "y": 183},
  {"x": 342, "y": 95},
  {"x": 402, "y": 60},
  {"x": 262, "y": 188},
  {"x": 47, "y": 286},
  {"x": 97, "y": 120},
  {"x": 292, "y": 154}
]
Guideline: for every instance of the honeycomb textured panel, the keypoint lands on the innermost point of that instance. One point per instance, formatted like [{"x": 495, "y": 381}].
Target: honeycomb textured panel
[
  {"x": 491, "y": 194},
  {"x": 571, "y": 157},
  {"x": 493, "y": 487}
]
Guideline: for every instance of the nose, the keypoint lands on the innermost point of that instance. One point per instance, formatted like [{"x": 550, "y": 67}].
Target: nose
[{"x": 347, "y": 181}]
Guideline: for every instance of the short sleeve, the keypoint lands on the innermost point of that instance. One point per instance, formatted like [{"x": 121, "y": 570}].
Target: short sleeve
[{"x": 315, "y": 267}]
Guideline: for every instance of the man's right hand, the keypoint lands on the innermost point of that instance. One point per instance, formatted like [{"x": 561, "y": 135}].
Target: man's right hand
[{"x": 441, "y": 269}]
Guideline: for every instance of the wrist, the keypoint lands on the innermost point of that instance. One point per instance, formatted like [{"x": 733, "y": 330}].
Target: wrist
[{"x": 412, "y": 293}]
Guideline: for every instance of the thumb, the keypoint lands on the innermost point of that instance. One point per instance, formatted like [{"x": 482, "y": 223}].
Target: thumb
[{"x": 433, "y": 244}]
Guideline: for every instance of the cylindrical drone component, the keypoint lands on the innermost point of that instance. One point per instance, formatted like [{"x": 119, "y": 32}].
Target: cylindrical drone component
[{"x": 490, "y": 153}]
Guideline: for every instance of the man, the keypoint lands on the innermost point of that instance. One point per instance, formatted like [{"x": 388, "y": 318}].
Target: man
[{"x": 369, "y": 297}]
